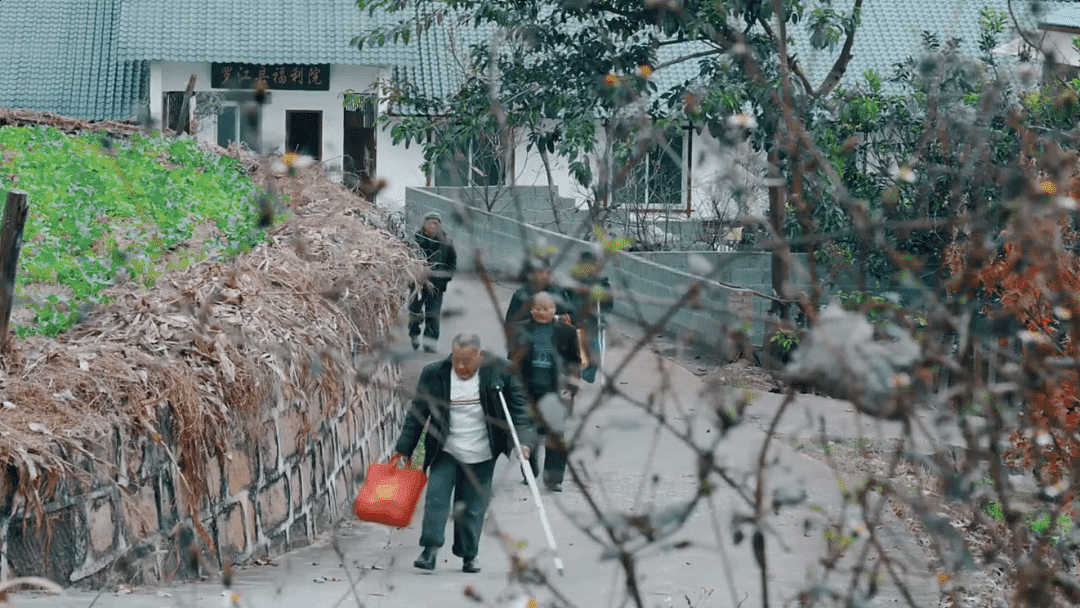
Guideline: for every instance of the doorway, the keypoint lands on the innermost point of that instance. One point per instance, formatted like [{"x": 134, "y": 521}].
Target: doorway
[
  {"x": 359, "y": 137},
  {"x": 303, "y": 133}
]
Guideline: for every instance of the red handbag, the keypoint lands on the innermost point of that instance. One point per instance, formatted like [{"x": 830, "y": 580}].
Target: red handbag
[{"x": 390, "y": 493}]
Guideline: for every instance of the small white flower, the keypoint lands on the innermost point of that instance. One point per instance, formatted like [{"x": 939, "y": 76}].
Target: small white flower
[
  {"x": 1043, "y": 439},
  {"x": 906, "y": 174}
]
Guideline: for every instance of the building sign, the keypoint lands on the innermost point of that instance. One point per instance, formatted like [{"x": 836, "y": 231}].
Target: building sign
[{"x": 289, "y": 77}]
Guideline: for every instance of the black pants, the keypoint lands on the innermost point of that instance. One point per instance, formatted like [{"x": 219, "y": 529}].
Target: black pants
[
  {"x": 554, "y": 460},
  {"x": 446, "y": 477},
  {"x": 425, "y": 307}
]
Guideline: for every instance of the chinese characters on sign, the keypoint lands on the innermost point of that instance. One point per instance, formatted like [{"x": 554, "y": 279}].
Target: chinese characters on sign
[{"x": 292, "y": 77}]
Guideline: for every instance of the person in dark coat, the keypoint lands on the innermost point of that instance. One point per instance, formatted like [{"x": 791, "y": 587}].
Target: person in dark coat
[
  {"x": 537, "y": 278},
  {"x": 426, "y": 304},
  {"x": 589, "y": 298},
  {"x": 545, "y": 353},
  {"x": 467, "y": 429}
]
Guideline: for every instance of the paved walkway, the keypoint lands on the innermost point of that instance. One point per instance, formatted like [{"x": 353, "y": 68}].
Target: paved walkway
[{"x": 634, "y": 468}]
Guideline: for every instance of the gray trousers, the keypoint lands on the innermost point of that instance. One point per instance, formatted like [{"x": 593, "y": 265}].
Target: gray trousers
[{"x": 447, "y": 477}]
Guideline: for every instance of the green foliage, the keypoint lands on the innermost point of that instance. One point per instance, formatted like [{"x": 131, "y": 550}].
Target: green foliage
[
  {"x": 561, "y": 69},
  {"x": 785, "y": 340},
  {"x": 1055, "y": 107},
  {"x": 99, "y": 207},
  {"x": 1039, "y": 523},
  {"x": 854, "y": 300}
]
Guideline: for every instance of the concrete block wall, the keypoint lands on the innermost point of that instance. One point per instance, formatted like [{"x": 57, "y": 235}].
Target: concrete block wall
[
  {"x": 276, "y": 494},
  {"x": 751, "y": 270},
  {"x": 535, "y": 201},
  {"x": 645, "y": 290}
]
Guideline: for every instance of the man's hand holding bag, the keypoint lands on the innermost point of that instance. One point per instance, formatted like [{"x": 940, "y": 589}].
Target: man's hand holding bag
[{"x": 390, "y": 493}]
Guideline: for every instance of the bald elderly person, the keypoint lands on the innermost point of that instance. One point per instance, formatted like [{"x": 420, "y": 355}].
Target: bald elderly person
[{"x": 546, "y": 355}]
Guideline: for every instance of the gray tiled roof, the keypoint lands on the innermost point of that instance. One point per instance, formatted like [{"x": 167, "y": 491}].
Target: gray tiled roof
[
  {"x": 1066, "y": 17},
  {"x": 88, "y": 58},
  {"x": 252, "y": 31},
  {"x": 60, "y": 56},
  {"x": 891, "y": 31}
]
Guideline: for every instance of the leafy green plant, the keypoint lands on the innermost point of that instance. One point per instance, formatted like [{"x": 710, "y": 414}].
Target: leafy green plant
[
  {"x": 785, "y": 340},
  {"x": 1038, "y": 523},
  {"x": 99, "y": 207}
]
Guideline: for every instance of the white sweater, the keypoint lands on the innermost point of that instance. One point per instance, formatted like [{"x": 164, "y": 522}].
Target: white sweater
[{"x": 467, "y": 440}]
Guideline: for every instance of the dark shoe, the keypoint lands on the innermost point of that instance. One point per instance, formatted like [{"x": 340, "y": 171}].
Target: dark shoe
[
  {"x": 554, "y": 487},
  {"x": 429, "y": 349},
  {"x": 470, "y": 565},
  {"x": 415, "y": 343},
  {"x": 426, "y": 561}
]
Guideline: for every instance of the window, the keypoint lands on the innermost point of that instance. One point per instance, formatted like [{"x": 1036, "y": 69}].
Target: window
[
  {"x": 655, "y": 181},
  {"x": 174, "y": 103},
  {"x": 480, "y": 164},
  {"x": 232, "y": 126}
]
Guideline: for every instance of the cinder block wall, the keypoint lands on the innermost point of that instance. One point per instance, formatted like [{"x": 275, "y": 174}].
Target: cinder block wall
[
  {"x": 647, "y": 291},
  {"x": 535, "y": 204},
  {"x": 272, "y": 495}
]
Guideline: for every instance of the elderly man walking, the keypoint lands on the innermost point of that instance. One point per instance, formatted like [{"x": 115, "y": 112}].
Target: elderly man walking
[
  {"x": 458, "y": 398},
  {"x": 426, "y": 304},
  {"x": 546, "y": 355}
]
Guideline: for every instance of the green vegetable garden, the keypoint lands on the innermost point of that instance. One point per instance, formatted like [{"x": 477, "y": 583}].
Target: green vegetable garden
[{"x": 104, "y": 210}]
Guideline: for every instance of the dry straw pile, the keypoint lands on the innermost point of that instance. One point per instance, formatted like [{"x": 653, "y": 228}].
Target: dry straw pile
[{"x": 193, "y": 362}]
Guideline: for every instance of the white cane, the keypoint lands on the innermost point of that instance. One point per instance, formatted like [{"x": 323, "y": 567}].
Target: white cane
[
  {"x": 601, "y": 338},
  {"x": 527, "y": 470}
]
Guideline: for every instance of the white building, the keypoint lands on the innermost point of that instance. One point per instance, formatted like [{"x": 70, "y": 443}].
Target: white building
[{"x": 101, "y": 59}]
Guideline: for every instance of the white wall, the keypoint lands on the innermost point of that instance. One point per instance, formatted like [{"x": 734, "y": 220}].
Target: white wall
[
  {"x": 713, "y": 170},
  {"x": 398, "y": 165},
  {"x": 726, "y": 181},
  {"x": 717, "y": 171},
  {"x": 529, "y": 171}
]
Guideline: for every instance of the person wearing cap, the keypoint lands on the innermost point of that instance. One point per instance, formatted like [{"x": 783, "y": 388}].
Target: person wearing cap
[{"x": 425, "y": 307}]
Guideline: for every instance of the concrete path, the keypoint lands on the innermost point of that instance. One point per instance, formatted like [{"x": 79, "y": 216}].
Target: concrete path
[{"x": 632, "y": 467}]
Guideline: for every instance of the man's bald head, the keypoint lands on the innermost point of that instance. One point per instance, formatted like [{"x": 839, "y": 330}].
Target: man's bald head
[
  {"x": 543, "y": 298},
  {"x": 542, "y": 307}
]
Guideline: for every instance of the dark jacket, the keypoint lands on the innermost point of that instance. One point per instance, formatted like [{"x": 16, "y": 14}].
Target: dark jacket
[
  {"x": 516, "y": 311},
  {"x": 441, "y": 257},
  {"x": 565, "y": 344},
  {"x": 432, "y": 404}
]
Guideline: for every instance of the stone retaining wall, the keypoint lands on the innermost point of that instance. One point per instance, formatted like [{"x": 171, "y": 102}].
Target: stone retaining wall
[{"x": 262, "y": 499}]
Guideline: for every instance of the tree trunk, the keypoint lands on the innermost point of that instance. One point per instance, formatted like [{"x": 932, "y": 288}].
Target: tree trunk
[
  {"x": 551, "y": 188},
  {"x": 184, "y": 125},
  {"x": 780, "y": 251},
  {"x": 10, "y": 244}
]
